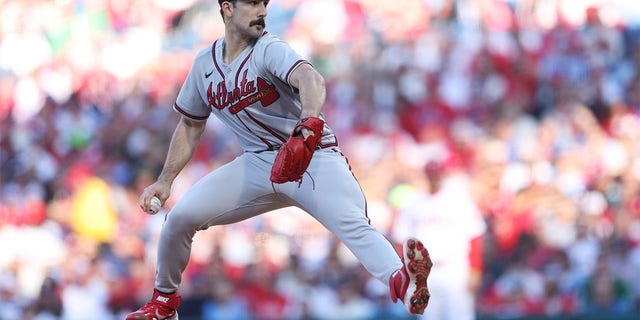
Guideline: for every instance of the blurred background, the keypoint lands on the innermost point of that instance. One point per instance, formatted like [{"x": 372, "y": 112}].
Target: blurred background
[{"x": 532, "y": 104}]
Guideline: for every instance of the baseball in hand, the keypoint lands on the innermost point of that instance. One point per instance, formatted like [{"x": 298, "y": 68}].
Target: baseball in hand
[{"x": 155, "y": 205}]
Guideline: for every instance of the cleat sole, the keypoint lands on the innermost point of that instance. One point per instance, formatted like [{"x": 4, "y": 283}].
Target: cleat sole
[{"x": 418, "y": 265}]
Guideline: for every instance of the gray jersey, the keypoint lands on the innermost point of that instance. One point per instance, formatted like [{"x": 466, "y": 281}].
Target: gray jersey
[{"x": 251, "y": 95}]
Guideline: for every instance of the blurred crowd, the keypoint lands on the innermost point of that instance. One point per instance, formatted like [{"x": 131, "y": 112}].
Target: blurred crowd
[{"x": 535, "y": 102}]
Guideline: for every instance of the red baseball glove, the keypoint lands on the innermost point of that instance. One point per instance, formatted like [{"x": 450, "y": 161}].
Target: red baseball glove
[{"x": 294, "y": 156}]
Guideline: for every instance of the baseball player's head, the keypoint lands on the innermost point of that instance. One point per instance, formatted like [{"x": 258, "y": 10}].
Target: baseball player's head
[
  {"x": 434, "y": 171},
  {"x": 247, "y": 16}
]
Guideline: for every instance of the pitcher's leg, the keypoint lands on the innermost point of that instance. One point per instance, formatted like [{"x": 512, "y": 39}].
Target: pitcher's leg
[
  {"x": 221, "y": 197},
  {"x": 176, "y": 238},
  {"x": 334, "y": 198},
  {"x": 372, "y": 248}
]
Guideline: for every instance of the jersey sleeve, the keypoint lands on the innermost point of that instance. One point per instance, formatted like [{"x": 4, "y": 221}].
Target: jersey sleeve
[
  {"x": 281, "y": 60},
  {"x": 189, "y": 102}
]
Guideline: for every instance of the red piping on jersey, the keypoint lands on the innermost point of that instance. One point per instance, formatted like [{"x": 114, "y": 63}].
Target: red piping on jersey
[
  {"x": 242, "y": 65},
  {"x": 215, "y": 59},
  {"x": 295, "y": 65},
  {"x": 188, "y": 115},
  {"x": 265, "y": 127},
  {"x": 269, "y": 145}
]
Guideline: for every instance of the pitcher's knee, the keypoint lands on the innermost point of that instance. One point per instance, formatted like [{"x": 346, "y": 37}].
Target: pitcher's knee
[
  {"x": 356, "y": 230},
  {"x": 180, "y": 222}
]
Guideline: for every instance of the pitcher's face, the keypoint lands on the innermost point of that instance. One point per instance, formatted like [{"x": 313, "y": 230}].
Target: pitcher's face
[{"x": 249, "y": 17}]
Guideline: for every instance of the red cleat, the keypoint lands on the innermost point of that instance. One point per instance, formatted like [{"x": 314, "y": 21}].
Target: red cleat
[
  {"x": 412, "y": 279},
  {"x": 161, "y": 307}
]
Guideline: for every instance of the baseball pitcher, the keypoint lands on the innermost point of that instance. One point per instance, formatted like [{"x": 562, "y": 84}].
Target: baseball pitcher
[{"x": 271, "y": 99}]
